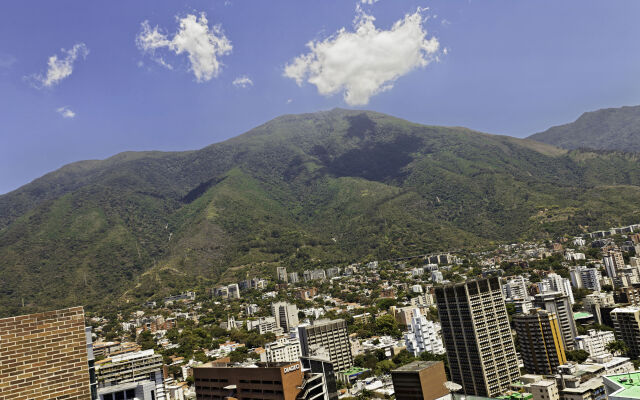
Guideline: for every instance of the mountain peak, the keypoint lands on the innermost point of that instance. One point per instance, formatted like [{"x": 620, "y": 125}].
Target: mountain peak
[{"x": 605, "y": 129}]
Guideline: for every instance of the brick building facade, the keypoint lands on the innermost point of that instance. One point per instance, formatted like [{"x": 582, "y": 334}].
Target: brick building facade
[{"x": 44, "y": 356}]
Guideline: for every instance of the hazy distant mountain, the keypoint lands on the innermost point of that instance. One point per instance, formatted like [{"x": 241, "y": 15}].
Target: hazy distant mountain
[
  {"x": 302, "y": 191},
  {"x": 606, "y": 129}
]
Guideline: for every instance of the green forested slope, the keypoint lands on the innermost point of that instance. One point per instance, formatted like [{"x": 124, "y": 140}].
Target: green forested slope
[{"x": 301, "y": 190}]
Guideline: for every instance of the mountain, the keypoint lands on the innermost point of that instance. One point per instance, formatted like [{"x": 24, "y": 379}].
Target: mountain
[
  {"x": 302, "y": 191},
  {"x": 607, "y": 129}
]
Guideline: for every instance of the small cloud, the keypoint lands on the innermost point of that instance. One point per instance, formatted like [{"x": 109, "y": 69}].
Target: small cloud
[
  {"x": 66, "y": 112},
  {"x": 59, "y": 68},
  {"x": 369, "y": 2},
  {"x": 366, "y": 61},
  {"x": 289, "y": 101},
  {"x": 7, "y": 60},
  {"x": 162, "y": 62},
  {"x": 445, "y": 22},
  {"x": 242, "y": 82},
  {"x": 203, "y": 44}
]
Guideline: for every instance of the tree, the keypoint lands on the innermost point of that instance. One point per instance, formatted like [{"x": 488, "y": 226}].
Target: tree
[
  {"x": 385, "y": 366},
  {"x": 387, "y": 325},
  {"x": 368, "y": 360},
  {"x": 146, "y": 340},
  {"x": 432, "y": 314},
  {"x": 384, "y": 304},
  {"x": 578, "y": 356},
  {"x": 240, "y": 354},
  {"x": 617, "y": 347},
  {"x": 403, "y": 357},
  {"x": 200, "y": 356}
]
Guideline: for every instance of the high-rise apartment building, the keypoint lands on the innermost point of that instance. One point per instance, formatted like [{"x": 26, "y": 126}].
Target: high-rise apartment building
[
  {"x": 282, "y": 350},
  {"x": 423, "y": 300},
  {"x": 333, "y": 272},
  {"x": 281, "y": 273},
  {"x": 559, "y": 304},
  {"x": 264, "y": 325},
  {"x": 612, "y": 261},
  {"x": 234, "y": 291},
  {"x": 328, "y": 336},
  {"x": 540, "y": 340},
  {"x": 286, "y": 315},
  {"x": 586, "y": 277},
  {"x": 420, "y": 380},
  {"x": 423, "y": 335},
  {"x": 628, "y": 294},
  {"x": 560, "y": 284},
  {"x": 626, "y": 322},
  {"x": 597, "y": 299},
  {"x": 132, "y": 367},
  {"x": 45, "y": 356},
  {"x": 595, "y": 342},
  {"x": 516, "y": 288},
  {"x": 477, "y": 336}
]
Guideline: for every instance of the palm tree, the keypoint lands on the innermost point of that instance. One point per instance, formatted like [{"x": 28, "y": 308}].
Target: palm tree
[{"x": 617, "y": 347}]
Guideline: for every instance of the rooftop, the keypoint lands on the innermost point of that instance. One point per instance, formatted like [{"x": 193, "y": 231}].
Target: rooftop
[
  {"x": 629, "y": 385},
  {"x": 416, "y": 366},
  {"x": 628, "y": 309},
  {"x": 544, "y": 383},
  {"x": 257, "y": 364},
  {"x": 353, "y": 371},
  {"x": 516, "y": 395},
  {"x": 582, "y": 315}
]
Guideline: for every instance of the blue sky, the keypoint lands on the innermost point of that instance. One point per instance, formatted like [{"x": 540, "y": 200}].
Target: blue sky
[{"x": 508, "y": 67}]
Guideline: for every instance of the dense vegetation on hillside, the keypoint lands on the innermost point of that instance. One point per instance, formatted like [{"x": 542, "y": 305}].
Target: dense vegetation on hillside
[
  {"x": 302, "y": 191},
  {"x": 606, "y": 129}
]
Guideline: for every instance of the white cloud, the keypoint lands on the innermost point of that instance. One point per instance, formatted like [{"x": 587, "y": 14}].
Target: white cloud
[
  {"x": 60, "y": 68},
  {"x": 66, "y": 112},
  {"x": 203, "y": 44},
  {"x": 366, "y": 61},
  {"x": 242, "y": 82},
  {"x": 369, "y": 2}
]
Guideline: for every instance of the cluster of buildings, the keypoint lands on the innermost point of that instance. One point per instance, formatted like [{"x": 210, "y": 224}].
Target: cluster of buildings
[{"x": 512, "y": 336}]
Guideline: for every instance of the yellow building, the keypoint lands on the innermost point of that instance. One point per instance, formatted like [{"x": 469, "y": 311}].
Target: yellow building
[{"x": 540, "y": 341}]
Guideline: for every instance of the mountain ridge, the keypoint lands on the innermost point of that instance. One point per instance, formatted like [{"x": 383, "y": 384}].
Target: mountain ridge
[
  {"x": 303, "y": 191},
  {"x": 614, "y": 129}
]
